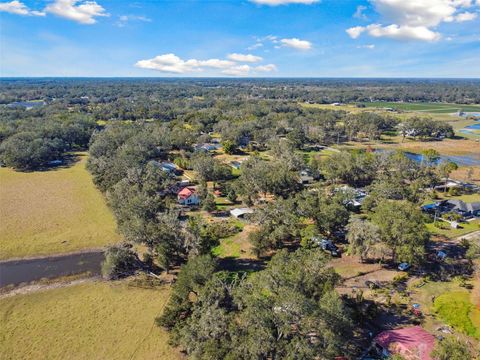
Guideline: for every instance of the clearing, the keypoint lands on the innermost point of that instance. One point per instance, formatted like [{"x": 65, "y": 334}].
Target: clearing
[
  {"x": 49, "y": 212},
  {"x": 424, "y": 106},
  {"x": 94, "y": 320}
]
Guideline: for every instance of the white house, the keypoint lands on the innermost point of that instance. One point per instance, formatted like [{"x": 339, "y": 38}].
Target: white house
[{"x": 188, "y": 196}]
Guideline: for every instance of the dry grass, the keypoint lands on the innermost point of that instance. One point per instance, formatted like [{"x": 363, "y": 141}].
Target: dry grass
[
  {"x": 462, "y": 174},
  {"x": 236, "y": 246},
  {"x": 466, "y": 147},
  {"x": 97, "y": 320},
  {"x": 53, "y": 211},
  {"x": 444, "y": 147}
]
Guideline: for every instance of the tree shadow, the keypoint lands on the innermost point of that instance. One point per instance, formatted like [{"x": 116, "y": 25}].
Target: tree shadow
[{"x": 241, "y": 264}]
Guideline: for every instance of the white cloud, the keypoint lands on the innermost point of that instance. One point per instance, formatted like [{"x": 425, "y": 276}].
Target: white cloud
[
  {"x": 255, "y": 46},
  {"x": 81, "y": 12},
  {"x": 124, "y": 19},
  {"x": 369, "y": 46},
  {"x": 296, "y": 43},
  {"x": 244, "y": 58},
  {"x": 239, "y": 70},
  {"x": 403, "y": 32},
  {"x": 359, "y": 12},
  {"x": 266, "y": 68},
  {"x": 466, "y": 16},
  {"x": 283, "y": 2},
  {"x": 171, "y": 63},
  {"x": 414, "y": 19},
  {"x": 355, "y": 32},
  {"x": 19, "y": 8}
]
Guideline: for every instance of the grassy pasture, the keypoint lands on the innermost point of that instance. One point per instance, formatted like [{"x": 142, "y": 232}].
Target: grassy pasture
[
  {"x": 425, "y": 107},
  {"x": 97, "y": 320},
  {"x": 55, "y": 211}
]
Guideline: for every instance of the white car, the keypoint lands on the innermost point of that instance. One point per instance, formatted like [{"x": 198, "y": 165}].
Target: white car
[{"x": 403, "y": 266}]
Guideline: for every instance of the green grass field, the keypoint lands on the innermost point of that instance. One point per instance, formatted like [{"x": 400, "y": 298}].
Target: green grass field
[
  {"x": 96, "y": 320},
  {"x": 456, "y": 310},
  {"x": 466, "y": 228},
  {"x": 55, "y": 211},
  {"x": 425, "y": 107}
]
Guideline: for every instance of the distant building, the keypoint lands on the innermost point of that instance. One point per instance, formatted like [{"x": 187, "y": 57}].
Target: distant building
[
  {"x": 188, "y": 196},
  {"x": 305, "y": 177},
  {"x": 27, "y": 104},
  {"x": 167, "y": 167},
  {"x": 206, "y": 147}
]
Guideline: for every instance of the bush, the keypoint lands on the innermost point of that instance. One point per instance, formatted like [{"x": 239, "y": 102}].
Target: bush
[
  {"x": 402, "y": 277},
  {"x": 120, "y": 261},
  {"x": 222, "y": 229},
  {"x": 442, "y": 225}
]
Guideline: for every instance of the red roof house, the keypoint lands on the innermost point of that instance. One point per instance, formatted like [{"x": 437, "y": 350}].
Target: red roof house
[
  {"x": 413, "y": 343},
  {"x": 188, "y": 196}
]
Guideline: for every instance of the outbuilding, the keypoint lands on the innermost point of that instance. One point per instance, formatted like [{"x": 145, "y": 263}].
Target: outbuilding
[{"x": 240, "y": 213}]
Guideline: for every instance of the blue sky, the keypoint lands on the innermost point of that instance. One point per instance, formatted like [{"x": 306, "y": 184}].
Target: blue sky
[{"x": 266, "y": 38}]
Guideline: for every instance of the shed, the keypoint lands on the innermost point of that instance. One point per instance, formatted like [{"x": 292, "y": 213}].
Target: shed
[{"x": 239, "y": 213}]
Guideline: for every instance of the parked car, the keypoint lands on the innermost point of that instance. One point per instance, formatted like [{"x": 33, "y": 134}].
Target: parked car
[
  {"x": 404, "y": 266},
  {"x": 441, "y": 255},
  {"x": 329, "y": 247}
]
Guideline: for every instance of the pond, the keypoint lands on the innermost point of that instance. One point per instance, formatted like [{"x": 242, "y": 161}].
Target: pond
[
  {"x": 26, "y": 104},
  {"x": 474, "y": 126},
  {"x": 14, "y": 272}
]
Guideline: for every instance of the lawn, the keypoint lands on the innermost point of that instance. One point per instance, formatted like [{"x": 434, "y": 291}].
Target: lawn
[
  {"x": 236, "y": 246},
  {"x": 96, "y": 320},
  {"x": 466, "y": 228},
  {"x": 55, "y": 211},
  {"x": 456, "y": 310}
]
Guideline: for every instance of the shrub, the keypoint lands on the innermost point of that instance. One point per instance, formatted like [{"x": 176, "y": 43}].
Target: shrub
[
  {"x": 442, "y": 225},
  {"x": 402, "y": 277}
]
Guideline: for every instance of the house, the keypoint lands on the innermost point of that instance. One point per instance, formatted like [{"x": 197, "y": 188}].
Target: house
[
  {"x": 206, "y": 147},
  {"x": 168, "y": 167},
  {"x": 412, "y": 343},
  {"x": 460, "y": 207},
  {"x": 356, "y": 196},
  {"x": 467, "y": 210},
  {"x": 188, "y": 196},
  {"x": 305, "y": 177},
  {"x": 240, "y": 213}
]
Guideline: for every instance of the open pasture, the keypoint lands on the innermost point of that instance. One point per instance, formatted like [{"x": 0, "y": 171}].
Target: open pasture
[
  {"x": 424, "y": 107},
  {"x": 96, "y": 320},
  {"x": 49, "y": 212}
]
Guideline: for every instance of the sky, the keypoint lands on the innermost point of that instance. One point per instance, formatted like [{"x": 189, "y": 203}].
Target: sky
[{"x": 240, "y": 38}]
